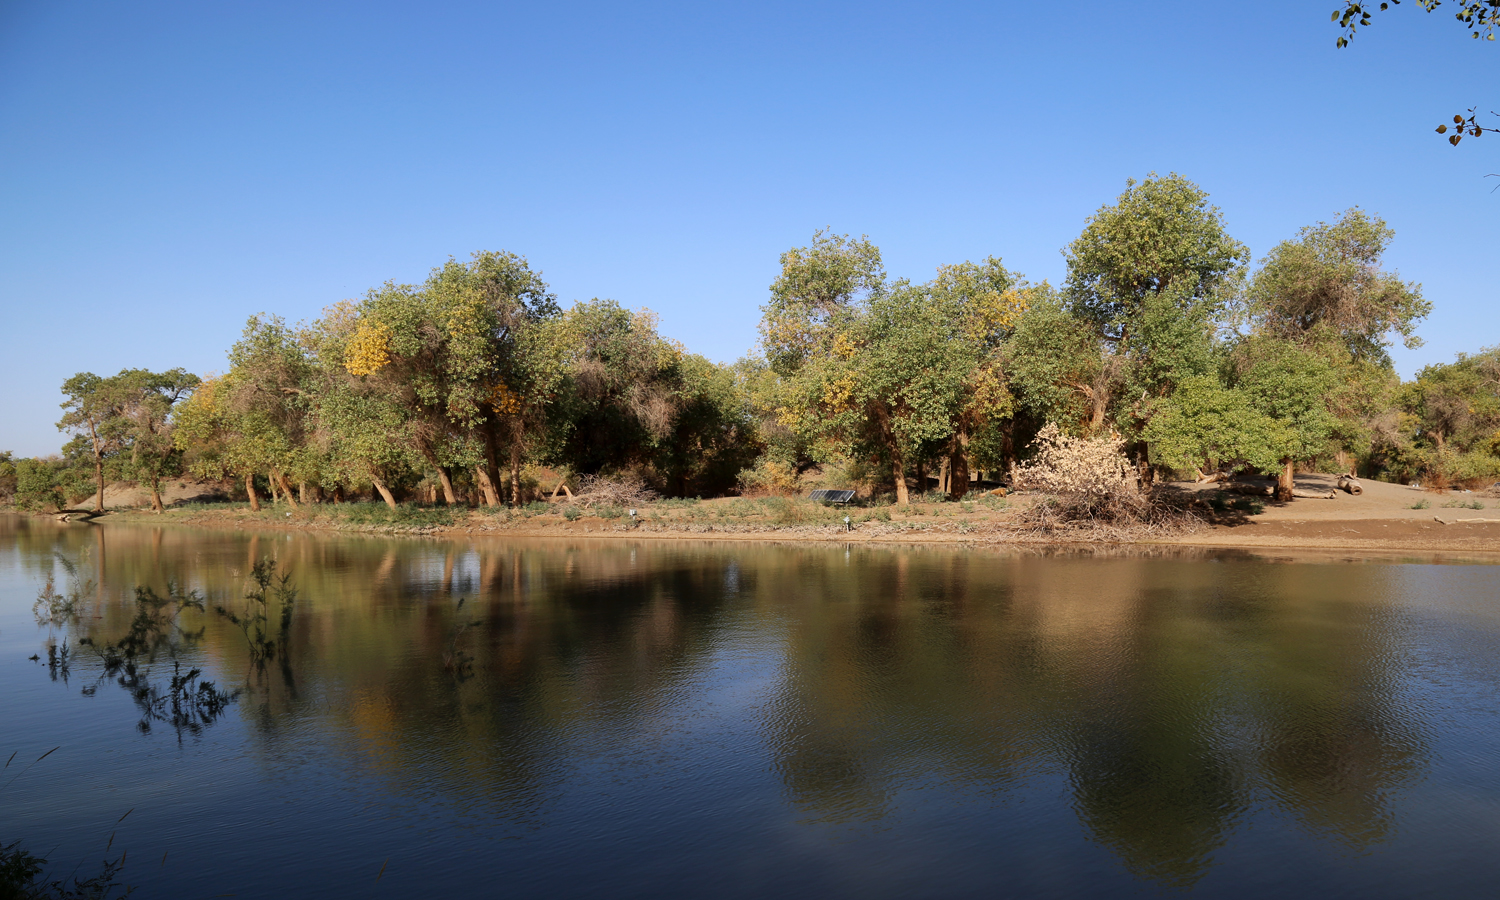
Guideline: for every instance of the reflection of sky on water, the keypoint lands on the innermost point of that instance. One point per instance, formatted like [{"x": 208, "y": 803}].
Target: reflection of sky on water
[{"x": 748, "y": 719}]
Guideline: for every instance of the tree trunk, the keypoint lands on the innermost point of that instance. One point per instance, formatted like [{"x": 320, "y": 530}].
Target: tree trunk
[
  {"x": 99, "y": 476},
  {"x": 486, "y": 486},
  {"x": 958, "y": 474},
  {"x": 1285, "y": 484},
  {"x": 286, "y": 490},
  {"x": 515, "y": 472},
  {"x": 492, "y": 464},
  {"x": 898, "y": 469},
  {"x": 156, "y": 504},
  {"x": 271, "y": 483},
  {"x": 1145, "y": 472},
  {"x": 447, "y": 484},
  {"x": 250, "y": 492},
  {"x": 98, "y": 468},
  {"x": 385, "y": 493}
]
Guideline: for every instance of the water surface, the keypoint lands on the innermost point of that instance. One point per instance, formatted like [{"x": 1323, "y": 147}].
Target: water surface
[{"x": 650, "y": 718}]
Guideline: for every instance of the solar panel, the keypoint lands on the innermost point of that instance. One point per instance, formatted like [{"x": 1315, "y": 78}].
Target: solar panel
[{"x": 831, "y": 496}]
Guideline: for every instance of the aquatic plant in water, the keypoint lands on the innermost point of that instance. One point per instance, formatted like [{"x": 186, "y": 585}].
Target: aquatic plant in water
[
  {"x": 254, "y": 619},
  {"x": 184, "y": 701}
]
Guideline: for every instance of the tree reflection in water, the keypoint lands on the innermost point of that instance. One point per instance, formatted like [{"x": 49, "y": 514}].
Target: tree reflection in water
[{"x": 1174, "y": 695}]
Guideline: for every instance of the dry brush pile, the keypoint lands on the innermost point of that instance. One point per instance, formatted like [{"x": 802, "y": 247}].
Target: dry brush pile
[
  {"x": 1089, "y": 484},
  {"x": 624, "y": 490}
]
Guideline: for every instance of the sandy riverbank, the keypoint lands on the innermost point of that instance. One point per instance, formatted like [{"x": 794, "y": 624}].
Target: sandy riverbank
[{"x": 1384, "y": 518}]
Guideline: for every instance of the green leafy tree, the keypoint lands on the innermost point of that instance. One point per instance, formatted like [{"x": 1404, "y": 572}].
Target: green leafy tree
[
  {"x": 818, "y": 286},
  {"x": 37, "y": 484},
  {"x": 268, "y": 390},
  {"x": 887, "y": 376},
  {"x": 891, "y": 388},
  {"x": 451, "y": 355},
  {"x": 1327, "y": 292},
  {"x": 501, "y": 363},
  {"x": 92, "y": 412},
  {"x": 221, "y": 439},
  {"x": 623, "y": 393},
  {"x": 362, "y": 433},
  {"x": 123, "y": 422},
  {"x": 7, "y": 476},
  {"x": 1161, "y": 238},
  {"x": 1328, "y": 284},
  {"x": 1058, "y": 368},
  {"x": 1289, "y": 385},
  {"x": 1156, "y": 274},
  {"x": 988, "y": 301},
  {"x": 1454, "y": 414},
  {"x": 714, "y": 433},
  {"x": 1206, "y": 425},
  {"x": 255, "y": 419},
  {"x": 147, "y": 400},
  {"x": 412, "y": 361}
]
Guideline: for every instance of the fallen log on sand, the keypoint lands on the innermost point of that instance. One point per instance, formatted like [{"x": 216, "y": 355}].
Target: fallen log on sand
[
  {"x": 1305, "y": 494},
  {"x": 1442, "y": 521},
  {"x": 1351, "y": 484}
]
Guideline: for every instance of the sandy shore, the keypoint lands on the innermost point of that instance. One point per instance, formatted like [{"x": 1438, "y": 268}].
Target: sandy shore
[{"x": 1384, "y": 518}]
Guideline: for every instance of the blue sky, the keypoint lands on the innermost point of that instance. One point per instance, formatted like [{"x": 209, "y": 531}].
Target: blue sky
[{"x": 166, "y": 170}]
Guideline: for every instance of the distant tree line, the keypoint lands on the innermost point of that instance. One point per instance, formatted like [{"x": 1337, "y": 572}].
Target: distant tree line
[{"x": 464, "y": 388}]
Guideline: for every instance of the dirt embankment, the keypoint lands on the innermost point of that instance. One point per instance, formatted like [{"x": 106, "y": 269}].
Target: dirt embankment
[{"x": 1384, "y": 517}]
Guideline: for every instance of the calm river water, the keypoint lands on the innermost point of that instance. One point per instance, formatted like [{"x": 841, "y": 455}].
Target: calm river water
[{"x": 619, "y": 719}]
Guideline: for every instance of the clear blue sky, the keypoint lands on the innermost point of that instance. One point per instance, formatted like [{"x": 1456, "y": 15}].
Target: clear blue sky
[{"x": 168, "y": 169}]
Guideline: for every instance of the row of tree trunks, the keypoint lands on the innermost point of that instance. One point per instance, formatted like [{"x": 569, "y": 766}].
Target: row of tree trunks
[
  {"x": 952, "y": 478},
  {"x": 486, "y": 477}
]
